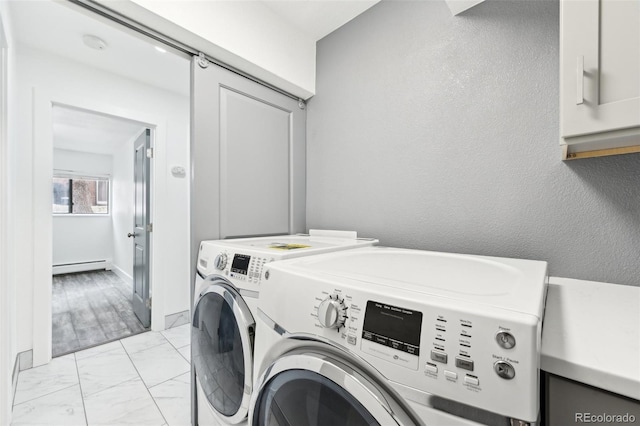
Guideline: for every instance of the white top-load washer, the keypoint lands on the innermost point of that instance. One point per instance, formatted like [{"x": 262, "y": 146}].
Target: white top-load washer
[
  {"x": 227, "y": 285},
  {"x": 395, "y": 336}
]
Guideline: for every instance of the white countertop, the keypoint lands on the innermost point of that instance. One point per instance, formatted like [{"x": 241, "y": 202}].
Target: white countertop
[{"x": 591, "y": 334}]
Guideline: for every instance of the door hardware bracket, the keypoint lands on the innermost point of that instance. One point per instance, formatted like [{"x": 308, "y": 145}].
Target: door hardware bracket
[{"x": 202, "y": 60}]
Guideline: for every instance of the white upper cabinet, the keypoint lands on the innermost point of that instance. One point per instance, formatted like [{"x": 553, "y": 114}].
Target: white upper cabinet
[{"x": 599, "y": 77}]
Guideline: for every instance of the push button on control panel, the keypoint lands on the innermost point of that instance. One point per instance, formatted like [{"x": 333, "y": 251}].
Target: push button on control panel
[
  {"x": 467, "y": 364},
  {"x": 472, "y": 380},
  {"x": 504, "y": 370},
  {"x": 439, "y": 356},
  {"x": 451, "y": 374},
  {"x": 431, "y": 368},
  {"x": 505, "y": 340}
]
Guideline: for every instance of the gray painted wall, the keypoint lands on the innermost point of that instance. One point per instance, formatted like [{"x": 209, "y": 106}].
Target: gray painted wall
[{"x": 438, "y": 132}]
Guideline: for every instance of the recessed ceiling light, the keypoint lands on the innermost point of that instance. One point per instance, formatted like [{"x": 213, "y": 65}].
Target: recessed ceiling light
[
  {"x": 160, "y": 49},
  {"x": 94, "y": 42}
]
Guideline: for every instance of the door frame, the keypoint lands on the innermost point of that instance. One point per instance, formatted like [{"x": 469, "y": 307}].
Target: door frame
[
  {"x": 42, "y": 243},
  {"x": 7, "y": 292}
]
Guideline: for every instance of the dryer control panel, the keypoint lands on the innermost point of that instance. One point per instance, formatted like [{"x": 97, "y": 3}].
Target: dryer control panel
[{"x": 243, "y": 269}]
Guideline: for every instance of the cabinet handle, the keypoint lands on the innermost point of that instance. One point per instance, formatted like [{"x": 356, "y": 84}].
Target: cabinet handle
[{"x": 580, "y": 81}]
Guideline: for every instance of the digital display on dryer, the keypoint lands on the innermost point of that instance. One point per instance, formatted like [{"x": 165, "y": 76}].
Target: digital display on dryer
[
  {"x": 392, "y": 326},
  {"x": 240, "y": 264}
]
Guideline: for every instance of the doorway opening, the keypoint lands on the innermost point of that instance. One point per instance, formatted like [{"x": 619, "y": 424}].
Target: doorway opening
[
  {"x": 128, "y": 78},
  {"x": 100, "y": 193}
]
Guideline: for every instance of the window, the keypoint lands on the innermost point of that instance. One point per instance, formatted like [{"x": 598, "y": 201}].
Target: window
[
  {"x": 82, "y": 195},
  {"x": 102, "y": 192}
]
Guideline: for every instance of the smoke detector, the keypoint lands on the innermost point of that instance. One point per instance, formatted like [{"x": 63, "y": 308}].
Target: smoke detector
[{"x": 94, "y": 42}]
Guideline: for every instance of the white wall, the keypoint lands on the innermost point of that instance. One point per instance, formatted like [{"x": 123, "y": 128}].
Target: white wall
[
  {"x": 82, "y": 238},
  {"x": 78, "y": 162},
  {"x": 8, "y": 330},
  {"x": 44, "y": 78},
  {"x": 244, "y": 34},
  {"x": 122, "y": 210}
]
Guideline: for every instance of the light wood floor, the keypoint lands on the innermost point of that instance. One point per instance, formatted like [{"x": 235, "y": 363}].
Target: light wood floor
[{"x": 91, "y": 308}]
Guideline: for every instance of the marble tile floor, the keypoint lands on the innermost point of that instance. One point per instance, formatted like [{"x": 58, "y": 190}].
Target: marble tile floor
[
  {"x": 139, "y": 380},
  {"x": 90, "y": 308}
]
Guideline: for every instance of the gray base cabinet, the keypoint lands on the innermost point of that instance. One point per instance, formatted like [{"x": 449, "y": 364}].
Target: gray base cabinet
[{"x": 569, "y": 403}]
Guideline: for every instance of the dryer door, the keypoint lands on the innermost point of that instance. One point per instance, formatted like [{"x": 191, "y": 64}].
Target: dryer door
[
  {"x": 310, "y": 388},
  {"x": 222, "y": 333}
]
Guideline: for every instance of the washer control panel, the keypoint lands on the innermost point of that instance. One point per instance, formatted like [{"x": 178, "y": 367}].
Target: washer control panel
[
  {"x": 392, "y": 333},
  {"x": 456, "y": 352},
  {"x": 466, "y": 329}
]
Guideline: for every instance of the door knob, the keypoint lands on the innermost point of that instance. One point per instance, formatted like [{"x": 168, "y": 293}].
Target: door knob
[{"x": 131, "y": 235}]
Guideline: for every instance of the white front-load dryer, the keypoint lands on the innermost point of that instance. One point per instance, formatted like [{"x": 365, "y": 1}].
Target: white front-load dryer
[
  {"x": 227, "y": 286},
  {"x": 399, "y": 337}
]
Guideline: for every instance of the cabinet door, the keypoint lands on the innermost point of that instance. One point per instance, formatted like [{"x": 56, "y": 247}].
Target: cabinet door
[
  {"x": 568, "y": 403},
  {"x": 599, "y": 66},
  {"x": 248, "y": 157}
]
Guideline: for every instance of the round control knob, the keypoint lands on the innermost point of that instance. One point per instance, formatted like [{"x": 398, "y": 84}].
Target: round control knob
[
  {"x": 332, "y": 313},
  {"x": 505, "y": 340},
  {"x": 221, "y": 261},
  {"x": 504, "y": 370}
]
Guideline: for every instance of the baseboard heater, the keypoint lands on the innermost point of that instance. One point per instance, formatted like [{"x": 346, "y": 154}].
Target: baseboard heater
[{"x": 93, "y": 265}]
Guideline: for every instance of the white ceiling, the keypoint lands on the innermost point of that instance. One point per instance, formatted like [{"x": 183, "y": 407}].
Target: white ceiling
[
  {"x": 318, "y": 17},
  {"x": 79, "y": 130},
  {"x": 58, "y": 27}
]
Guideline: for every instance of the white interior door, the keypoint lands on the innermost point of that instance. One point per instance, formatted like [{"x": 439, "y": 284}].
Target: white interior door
[
  {"x": 248, "y": 157},
  {"x": 255, "y": 141},
  {"x": 140, "y": 234},
  {"x": 248, "y": 163}
]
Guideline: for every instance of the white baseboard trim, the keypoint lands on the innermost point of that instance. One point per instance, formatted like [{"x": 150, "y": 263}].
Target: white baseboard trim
[
  {"x": 81, "y": 267},
  {"x": 25, "y": 360},
  {"x": 14, "y": 377},
  {"x": 122, "y": 274},
  {"x": 176, "y": 320}
]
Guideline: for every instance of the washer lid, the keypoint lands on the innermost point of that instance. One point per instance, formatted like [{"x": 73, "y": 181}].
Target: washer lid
[
  {"x": 292, "y": 245},
  {"x": 513, "y": 284}
]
